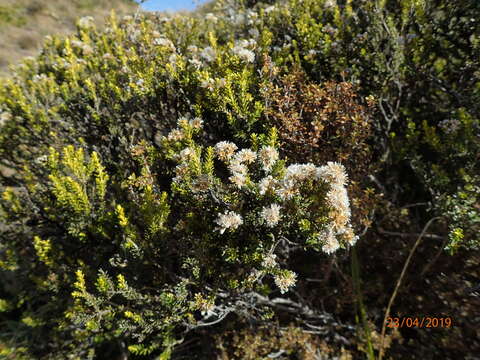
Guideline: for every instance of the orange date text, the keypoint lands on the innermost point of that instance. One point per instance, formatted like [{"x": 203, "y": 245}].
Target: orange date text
[{"x": 419, "y": 322}]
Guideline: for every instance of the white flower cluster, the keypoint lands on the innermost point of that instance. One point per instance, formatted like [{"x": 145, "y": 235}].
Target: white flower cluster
[
  {"x": 270, "y": 261},
  {"x": 332, "y": 172},
  {"x": 187, "y": 154},
  {"x": 238, "y": 169},
  {"x": 164, "y": 42},
  {"x": 271, "y": 215},
  {"x": 245, "y": 156},
  {"x": 228, "y": 220},
  {"x": 330, "y": 3},
  {"x": 331, "y": 243},
  {"x": 285, "y": 280},
  {"x": 196, "y": 123},
  {"x": 268, "y": 156},
  {"x": 239, "y": 17},
  {"x": 211, "y": 17},
  {"x": 225, "y": 149},
  {"x": 268, "y": 183},
  {"x": 295, "y": 175},
  {"x": 300, "y": 172},
  {"x": 269, "y": 9},
  {"x": 337, "y": 197},
  {"x": 208, "y": 84},
  {"x": 212, "y": 84},
  {"x": 192, "y": 49},
  {"x": 197, "y": 64},
  {"x": 294, "y": 178},
  {"x": 177, "y": 134},
  {"x": 208, "y": 54},
  {"x": 242, "y": 52}
]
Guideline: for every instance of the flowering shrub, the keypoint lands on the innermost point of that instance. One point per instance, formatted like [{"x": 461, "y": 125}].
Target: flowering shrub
[{"x": 235, "y": 211}]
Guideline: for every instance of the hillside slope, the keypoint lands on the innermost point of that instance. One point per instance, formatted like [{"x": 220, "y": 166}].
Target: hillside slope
[{"x": 24, "y": 23}]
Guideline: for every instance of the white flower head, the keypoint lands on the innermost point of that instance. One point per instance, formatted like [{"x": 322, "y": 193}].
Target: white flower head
[
  {"x": 333, "y": 172},
  {"x": 270, "y": 261},
  {"x": 254, "y": 32},
  {"x": 211, "y": 17},
  {"x": 4, "y": 117},
  {"x": 245, "y": 156},
  {"x": 161, "y": 41},
  {"x": 196, "y": 123},
  {"x": 287, "y": 190},
  {"x": 300, "y": 172},
  {"x": 175, "y": 135},
  {"x": 245, "y": 55},
  {"x": 225, "y": 150},
  {"x": 349, "y": 236},
  {"x": 208, "y": 84},
  {"x": 337, "y": 198},
  {"x": 221, "y": 83},
  {"x": 266, "y": 184},
  {"x": 208, "y": 54},
  {"x": 237, "y": 168},
  {"x": 228, "y": 220},
  {"x": 182, "y": 121},
  {"x": 187, "y": 154},
  {"x": 238, "y": 179},
  {"x": 330, "y": 3},
  {"x": 242, "y": 43},
  {"x": 285, "y": 280},
  {"x": 268, "y": 155},
  {"x": 173, "y": 59},
  {"x": 269, "y": 9},
  {"x": 254, "y": 275},
  {"x": 330, "y": 242},
  {"x": 271, "y": 215}
]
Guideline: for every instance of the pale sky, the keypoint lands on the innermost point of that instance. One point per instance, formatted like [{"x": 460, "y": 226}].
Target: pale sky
[{"x": 171, "y": 5}]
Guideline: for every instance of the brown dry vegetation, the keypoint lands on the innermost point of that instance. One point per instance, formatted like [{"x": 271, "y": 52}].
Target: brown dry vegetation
[
  {"x": 24, "y": 23},
  {"x": 320, "y": 123}
]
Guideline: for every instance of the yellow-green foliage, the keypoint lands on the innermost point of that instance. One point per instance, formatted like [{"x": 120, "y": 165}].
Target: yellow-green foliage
[{"x": 42, "y": 248}]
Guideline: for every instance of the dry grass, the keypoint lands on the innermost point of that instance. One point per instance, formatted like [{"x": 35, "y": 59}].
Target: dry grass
[{"x": 24, "y": 23}]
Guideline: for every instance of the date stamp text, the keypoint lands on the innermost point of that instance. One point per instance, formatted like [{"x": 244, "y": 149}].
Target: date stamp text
[{"x": 420, "y": 322}]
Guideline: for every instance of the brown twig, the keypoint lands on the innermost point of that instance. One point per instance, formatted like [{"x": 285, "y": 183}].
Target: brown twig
[
  {"x": 397, "y": 286},
  {"x": 405, "y": 235},
  {"x": 435, "y": 258}
]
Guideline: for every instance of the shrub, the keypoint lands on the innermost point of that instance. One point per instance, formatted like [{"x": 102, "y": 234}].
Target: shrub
[{"x": 162, "y": 257}]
